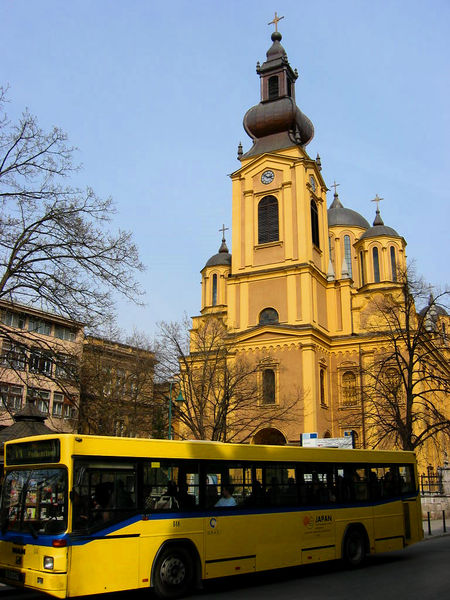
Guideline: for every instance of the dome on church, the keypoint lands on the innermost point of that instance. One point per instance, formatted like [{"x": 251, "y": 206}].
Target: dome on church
[
  {"x": 277, "y": 122},
  {"x": 379, "y": 229},
  {"x": 223, "y": 257},
  {"x": 339, "y": 215}
]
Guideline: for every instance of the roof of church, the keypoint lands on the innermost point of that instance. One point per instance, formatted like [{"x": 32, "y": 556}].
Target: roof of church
[
  {"x": 223, "y": 257},
  {"x": 277, "y": 122},
  {"x": 379, "y": 229},
  {"x": 339, "y": 215}
]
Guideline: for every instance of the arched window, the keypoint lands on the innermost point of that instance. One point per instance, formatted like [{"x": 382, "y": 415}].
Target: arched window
[
  {"x": 268, "y": 378},
  {"x": 376, "y": 265},
  {"x": 323, "y": 399},
  {"x": 348, "y": 254},
  {"x": 289, "y": 87},
  {"x": 214, "y": 290},
  {"x": 315, "y": 224},
  {"x": 349, "y": 395},
  {"x": 362, "y": 267},
  {"x": 273, "y": 87},
  {"x": 393, "y": 264},
  {"x": 268, "y": 315},
  {"x": 268, "y": 220}
]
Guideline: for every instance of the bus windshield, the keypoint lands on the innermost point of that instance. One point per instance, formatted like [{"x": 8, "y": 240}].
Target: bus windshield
[{"x": 35, "y": 501}]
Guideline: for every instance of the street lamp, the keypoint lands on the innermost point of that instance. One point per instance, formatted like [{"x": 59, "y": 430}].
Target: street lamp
[{"x": 179, "y": 399}]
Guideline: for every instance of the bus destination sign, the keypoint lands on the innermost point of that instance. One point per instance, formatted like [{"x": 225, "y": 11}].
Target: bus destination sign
[{"x": 26, "y": 453}]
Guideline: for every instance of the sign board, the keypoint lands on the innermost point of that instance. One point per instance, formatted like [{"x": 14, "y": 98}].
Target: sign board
[{"x": 316, "y": 442}]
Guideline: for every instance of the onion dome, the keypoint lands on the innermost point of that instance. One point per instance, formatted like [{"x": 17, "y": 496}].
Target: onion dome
[
  {"x": 379, "y": 229},
  {"x": 433, "y": 309},
  {"x": 338, "y": 215},
  {"x": 223, "y": 257},
  {"x": 276, "y": 122}
]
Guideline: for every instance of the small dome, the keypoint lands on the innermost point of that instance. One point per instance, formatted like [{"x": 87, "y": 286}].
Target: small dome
[
  {"x": 338, "y": 215},
  {"x": 379, "y": 229},
  {"x": 223, "y": 257},
  {"x": 435, "y": 310}
]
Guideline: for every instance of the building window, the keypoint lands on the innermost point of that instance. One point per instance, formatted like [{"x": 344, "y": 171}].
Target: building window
[
  {"x": 349, "y": 392},
  {"x": 214, "y": 290},
  {"x": 39, "y": 398},
  {"x": 323, "y": 397},
  {"x": 39, "y": 326},
  {"x": 348, "y": 254},
  {"x": 315, "y": 224},
  {"x": 13, "y": 319},
  {"x": 69, "y": 412},
  {"x": 376, "y": 265},
  {"x": 289, "y": 87},
  {"x": 40, "y": 362},
  {"x": 362, "y": 267},
  {"x": 58, "y": 403},
  {"x": 273, "y": 85},
  {"x": 64, "y": 333},
  {"x": 393, "y": 264},
  {"x": 268, "y": 315},
  {"x": 268, "y": 220},
  {"x": 13, "y": 355},
  {"x": 268, "y": 380},
  {"x": 11, "y": 396},
  {"x": 65, "y": 366}
]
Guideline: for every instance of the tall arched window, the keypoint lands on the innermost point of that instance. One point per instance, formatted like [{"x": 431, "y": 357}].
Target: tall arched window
[
  {"x": 273, "y": 87},
  {"x": 362, "y": 267},
  {"x": 348, "y": 254},
  {"x": 214, "y": 290},
  {"x": 323, "y": 398},
  {"x": 268, "y": 220},
  {"x": 349, "y": 395},
  {"x": 315, "y": 224},
  {"x": 393, "y": 264},
  {"x": 268, "y": 378},
  {"x": 376, "y": 265},
  {"x": 268, "y": 315}
]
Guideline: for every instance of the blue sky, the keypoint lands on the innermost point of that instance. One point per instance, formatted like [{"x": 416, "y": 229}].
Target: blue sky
[{"x": 153, "y": 94}]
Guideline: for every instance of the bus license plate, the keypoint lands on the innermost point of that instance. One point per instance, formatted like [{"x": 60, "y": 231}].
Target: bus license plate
[{"x": 14, "y": 575}]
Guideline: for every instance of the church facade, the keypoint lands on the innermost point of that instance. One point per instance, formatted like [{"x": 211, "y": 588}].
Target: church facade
[{"x": 298, "y": 284}]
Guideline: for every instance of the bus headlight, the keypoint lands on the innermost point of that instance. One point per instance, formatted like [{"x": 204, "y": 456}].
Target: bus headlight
[{"x": 48, "y": 563}]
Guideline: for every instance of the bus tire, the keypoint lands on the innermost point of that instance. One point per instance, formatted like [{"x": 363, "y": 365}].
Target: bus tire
[
  {"x": 173, "y": 572},
  {"x": 354, "y": 547}
]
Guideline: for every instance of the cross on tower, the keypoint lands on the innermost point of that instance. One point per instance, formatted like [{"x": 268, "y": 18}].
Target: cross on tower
[
  {"x": 377, "y": 199},
  {"x": 335, "y": 185},
  {"x": 223, "y": 229},
  {"x": 275, "y": 21}
]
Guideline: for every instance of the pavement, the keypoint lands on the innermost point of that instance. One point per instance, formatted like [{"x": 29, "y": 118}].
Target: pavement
[{"x": 437, "y": 527}]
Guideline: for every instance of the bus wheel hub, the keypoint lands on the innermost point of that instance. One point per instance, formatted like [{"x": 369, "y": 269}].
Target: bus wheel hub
[{"x": 173, "y": 571}]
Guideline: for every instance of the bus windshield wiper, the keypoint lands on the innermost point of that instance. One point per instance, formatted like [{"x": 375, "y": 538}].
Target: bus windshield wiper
[{"x": 32, "y": 530}]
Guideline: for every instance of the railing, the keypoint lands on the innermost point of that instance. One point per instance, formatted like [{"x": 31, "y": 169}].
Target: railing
[{"x": 431, "y": 485}]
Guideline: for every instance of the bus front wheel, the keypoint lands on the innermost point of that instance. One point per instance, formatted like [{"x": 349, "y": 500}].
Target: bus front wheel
[
  {"x": 174, "y": 573},
  {"x": 354, "y": 548}
]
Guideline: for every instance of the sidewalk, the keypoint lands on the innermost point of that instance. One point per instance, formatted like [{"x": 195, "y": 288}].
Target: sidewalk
[{"x": 437, "y": 527}]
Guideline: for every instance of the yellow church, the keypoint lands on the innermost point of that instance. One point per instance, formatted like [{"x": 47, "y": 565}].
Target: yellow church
[{"x": 299, "y": 283}]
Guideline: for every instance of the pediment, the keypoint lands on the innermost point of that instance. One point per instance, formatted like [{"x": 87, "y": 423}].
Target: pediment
[{"x": 267, "y": 334}]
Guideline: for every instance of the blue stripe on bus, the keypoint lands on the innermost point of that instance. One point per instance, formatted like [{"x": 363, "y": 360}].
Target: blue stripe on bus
[{"x": 79, "y": 539}]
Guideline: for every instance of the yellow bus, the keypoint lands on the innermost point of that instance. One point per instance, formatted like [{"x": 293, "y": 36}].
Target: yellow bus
[{"x": 85, "y": 514}]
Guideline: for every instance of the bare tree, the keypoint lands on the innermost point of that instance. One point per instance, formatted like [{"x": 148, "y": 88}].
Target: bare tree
[
  {"x": 56, "y": 252},
  {"x": 116, "y": 387},
  {"x": 221, "y": 388},
  {"x": 406, "y": 378}
]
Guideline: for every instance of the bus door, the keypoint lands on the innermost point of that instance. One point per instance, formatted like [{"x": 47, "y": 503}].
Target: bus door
[
  {"x": 230, "y": 533},
  {"x": 104, "y": 550},
  {"x": 411, "y": 504},
  {"x": 318, "y": 496}
]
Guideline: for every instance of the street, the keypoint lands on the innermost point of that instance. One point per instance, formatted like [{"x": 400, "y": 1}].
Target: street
[{"x": 420, "y": 572}]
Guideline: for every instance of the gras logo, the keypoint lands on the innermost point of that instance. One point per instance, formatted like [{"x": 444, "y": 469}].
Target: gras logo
[
  {"x": 308, "y": 522},
  {"x": 212, "y": 523}
]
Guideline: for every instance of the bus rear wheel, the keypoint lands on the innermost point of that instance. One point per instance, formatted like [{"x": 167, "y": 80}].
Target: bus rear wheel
[
  {"x": 174, "y": 573},
  {"x": 354, "y": 548}
]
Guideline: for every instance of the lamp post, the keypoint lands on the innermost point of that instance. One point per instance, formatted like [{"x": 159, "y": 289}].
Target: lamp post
[{"x": 179, "y": 399}]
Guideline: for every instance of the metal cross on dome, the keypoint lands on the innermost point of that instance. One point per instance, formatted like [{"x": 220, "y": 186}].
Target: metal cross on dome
[
  {"x": 335, "y": 185},
  {"x": 275, "y": 21},
  {"x": 377, "y": 199},
  {"x": 223, "y": 229}
]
